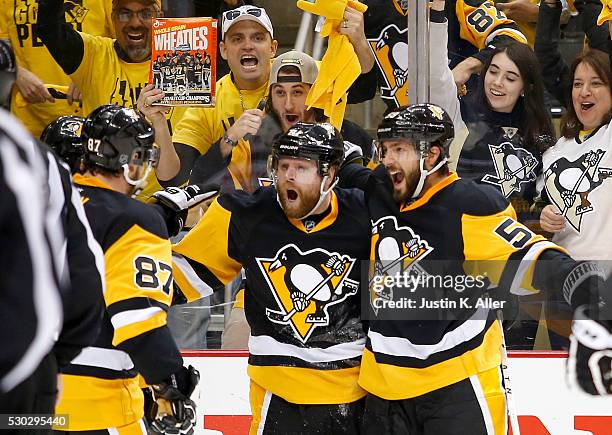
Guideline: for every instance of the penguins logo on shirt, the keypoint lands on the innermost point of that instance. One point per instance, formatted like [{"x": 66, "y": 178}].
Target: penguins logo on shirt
[
  {"x": 391, "y": 53},
  {"x": 568, "y": 184},
  {"x": 397, "y": 251},
  {"x": 305, "y": 285},
  {"x": 75, "y": 13},
  {"x": 514, "y": 166}
]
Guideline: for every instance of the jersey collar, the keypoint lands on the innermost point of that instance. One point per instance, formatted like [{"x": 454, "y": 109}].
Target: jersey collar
[
  {"x": 86, "y": 180},
  {"x": 452, "y": 177},
  {"x": 325, "y": 222}
]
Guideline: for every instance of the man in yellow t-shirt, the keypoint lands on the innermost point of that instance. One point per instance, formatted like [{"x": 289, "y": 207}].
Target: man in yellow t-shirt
[
  {"x": 35, "y": 106},
  {"x": 106, "y": 70},
  {"x": 248, "y": 45}
]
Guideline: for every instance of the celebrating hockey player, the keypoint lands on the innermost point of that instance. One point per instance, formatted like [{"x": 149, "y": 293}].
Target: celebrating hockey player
[
  {"x": 300, "y": 243},
  {"x": 100, "y": 386},
  {"x": 442, "y": 372}
]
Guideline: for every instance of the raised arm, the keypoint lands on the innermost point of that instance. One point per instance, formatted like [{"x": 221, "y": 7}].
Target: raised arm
[{"x": 63, "y": 42}]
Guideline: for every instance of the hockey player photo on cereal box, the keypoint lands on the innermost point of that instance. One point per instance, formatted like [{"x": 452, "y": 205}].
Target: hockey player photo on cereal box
[{"x": 183, "y": 60}]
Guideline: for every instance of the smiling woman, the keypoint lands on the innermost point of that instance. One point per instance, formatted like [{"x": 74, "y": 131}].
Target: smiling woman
[{"x": 576, "y": 180}]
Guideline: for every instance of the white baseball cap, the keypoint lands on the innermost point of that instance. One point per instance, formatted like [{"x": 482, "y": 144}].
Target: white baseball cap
[{"x": 246, "y": 12}]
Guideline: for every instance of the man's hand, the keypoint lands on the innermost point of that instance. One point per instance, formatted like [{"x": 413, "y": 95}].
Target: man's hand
[
  {"x": 74, "y": 94},
  {"x": 248, "y": 123},
  {"x": 175, "y": 203},
  {"x": 464, "y": 70},
  {"x": 551, "y": 220},
  {"x": 173, "y": 411},
  {"x": 32, "y": 88},
  {"x": 520, "y": 10},
  {"x": 352, "y": 26},
  {"x": 148, "y": 96},
  {"x": 589, "y": 366}
]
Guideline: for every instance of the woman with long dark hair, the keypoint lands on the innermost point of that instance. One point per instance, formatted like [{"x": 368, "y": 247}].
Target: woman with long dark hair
[
  {"x": 577, "y": 173},
  {"x": 506, "y": 119},
  {"x": 509, "y": 126}
]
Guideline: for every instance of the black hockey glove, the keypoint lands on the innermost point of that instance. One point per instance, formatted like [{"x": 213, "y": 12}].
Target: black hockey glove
[
  {"x": 589, "y": 366},
  {"x": 176, "y": 202},
  {"x": 173, "y": 412}
]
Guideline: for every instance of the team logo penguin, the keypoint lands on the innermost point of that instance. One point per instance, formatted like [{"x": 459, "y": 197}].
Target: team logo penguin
[
  {"x": 568, "y": 184},
  {"x": 397, "y": 251},
  {"x": 391, "y": 53},
  {"x": 305, "y": 285},
  {"x": 514, "y": 166},
  {"x": 75, "y": 14}
]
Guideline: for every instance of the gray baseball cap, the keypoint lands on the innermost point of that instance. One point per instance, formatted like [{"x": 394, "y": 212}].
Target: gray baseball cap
[{"x": 304, "y": 63}]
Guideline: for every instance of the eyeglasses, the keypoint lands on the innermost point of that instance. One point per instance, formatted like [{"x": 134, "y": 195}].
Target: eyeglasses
[
  {"x": 235, "y": 13},
  {"x": 125, "y": 15}
]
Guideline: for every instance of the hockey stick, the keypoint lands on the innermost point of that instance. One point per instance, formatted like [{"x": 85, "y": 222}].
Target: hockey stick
[
  {"x": 514, "y": 424},
  {"x": 393, "y": 263},
  {"x": 277, "y": 316},
  {"x": 576, "y": 186}
]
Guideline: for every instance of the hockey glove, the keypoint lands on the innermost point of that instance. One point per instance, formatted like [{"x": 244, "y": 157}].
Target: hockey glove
[
  {"x": 352, "y": 154},
  {"x": 589, "y": 365},
  {"x": 176, "y": 202},
  {"x": 173, "y": 412}
]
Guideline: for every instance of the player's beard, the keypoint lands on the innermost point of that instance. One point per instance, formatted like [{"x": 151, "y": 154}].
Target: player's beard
[
  {"x": 306, "y": 200},
  {"x": 410, "y": 182}
]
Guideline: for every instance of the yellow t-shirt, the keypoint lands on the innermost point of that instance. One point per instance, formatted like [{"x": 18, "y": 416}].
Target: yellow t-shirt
[
  {"x": 18, "y": 23},
  {"x": 202, "y": 127},
  {"x": 104, "y": 78}
]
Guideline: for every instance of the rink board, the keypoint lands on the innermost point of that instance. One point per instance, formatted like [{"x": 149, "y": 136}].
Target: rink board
[{"x": 545, "y": 405}]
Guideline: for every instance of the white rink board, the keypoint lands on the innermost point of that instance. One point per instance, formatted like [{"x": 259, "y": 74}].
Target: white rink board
[{"x": 545, "y": 404}]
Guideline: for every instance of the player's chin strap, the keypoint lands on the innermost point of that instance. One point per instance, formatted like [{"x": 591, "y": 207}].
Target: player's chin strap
[
  {"x": 138, "y": 184},
  {"x": 425, "y": 173},
  {"x": 322, "y": 195}
]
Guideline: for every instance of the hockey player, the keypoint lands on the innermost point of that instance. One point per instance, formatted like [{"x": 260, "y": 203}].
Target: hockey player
[
  {"x": 300, "y": 243},
  {"x": 100, "y": 386},
  {"x": 433, "y": 372},
  {"x": 64, "y": 137}
]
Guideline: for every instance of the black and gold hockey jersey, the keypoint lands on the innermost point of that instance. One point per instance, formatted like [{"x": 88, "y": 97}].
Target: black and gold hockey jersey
[
  {"x": 457, "y": 228},
  {"x": 100, "y": 386},
  {"x": 302, "y": 288},
  {"x": 495, "y": 153},
  {"x": 473, "y": 24}
]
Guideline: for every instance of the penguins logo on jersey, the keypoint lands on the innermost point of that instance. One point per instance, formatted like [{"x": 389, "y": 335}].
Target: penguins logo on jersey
[
  {"x": 265, "y": 181},
  {"x": 305, "y": 285},
  {"x": 397, "y": 251},
  {"x": 391, "y": 53},
  {"x": 513, "y": 166},
  {"x": 568, "y": 184}
]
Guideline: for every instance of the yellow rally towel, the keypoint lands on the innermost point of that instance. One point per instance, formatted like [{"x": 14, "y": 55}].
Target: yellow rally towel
[
  {"x": 606, "y": 12},
  {"x": 340, "y": 65}
]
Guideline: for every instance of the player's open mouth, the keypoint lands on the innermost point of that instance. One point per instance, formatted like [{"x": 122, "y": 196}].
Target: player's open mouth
[
  {"x": 291, "y": 119},
  {"x": 397, "y": 177},
  {"x": 292, "y": 195},
  {"x": 249, "y": 62}
]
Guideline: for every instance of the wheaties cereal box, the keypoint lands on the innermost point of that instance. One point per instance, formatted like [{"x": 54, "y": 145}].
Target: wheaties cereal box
[{"x": 183, "y": 60}]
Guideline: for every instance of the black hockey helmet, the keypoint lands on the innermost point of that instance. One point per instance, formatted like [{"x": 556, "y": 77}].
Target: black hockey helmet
[
  {"x": 425, "y": 124},
  {"x": 8, "y": 72},
  {"x": 319, "y": 142},
  {"x": 64, "y": 137},
  {"x": 115, "y": 136}
]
